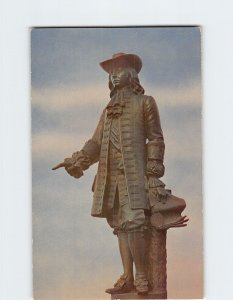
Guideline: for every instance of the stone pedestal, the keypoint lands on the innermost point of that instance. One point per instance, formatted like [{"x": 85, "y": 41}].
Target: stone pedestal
[
  {"x": 157, "y": 261},
  {"x": 135, "y": 296}
]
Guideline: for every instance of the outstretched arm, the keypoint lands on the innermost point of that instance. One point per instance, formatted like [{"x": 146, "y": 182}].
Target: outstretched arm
[{"x": 88, "y": 155}]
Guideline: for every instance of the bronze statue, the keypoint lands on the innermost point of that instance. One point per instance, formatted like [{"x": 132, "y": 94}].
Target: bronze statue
[{"x": 128, "y": 143}]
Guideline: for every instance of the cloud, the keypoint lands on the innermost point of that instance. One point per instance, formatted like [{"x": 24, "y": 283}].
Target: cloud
[
  {"x": 179, "y": 107},
  {"x": 64, "y": 98},
  {"x": 52, "y": 145},
  {"x": 47, "y": 145},
  {"x": 181, "y": 95},
  {"x": 68, "y": 97},
  {"x": 181, "y": 147}
]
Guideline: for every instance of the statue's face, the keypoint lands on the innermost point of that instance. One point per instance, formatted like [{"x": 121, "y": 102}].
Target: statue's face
[{"x": 119, "y": 77}]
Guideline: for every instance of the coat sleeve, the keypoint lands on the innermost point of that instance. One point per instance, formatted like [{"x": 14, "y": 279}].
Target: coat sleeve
[
  {"x": 154, "y": 133},
  {"x": 92, "y": 147}
]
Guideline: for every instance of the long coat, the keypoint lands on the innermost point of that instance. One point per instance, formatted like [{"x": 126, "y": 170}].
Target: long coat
[{"x": 141, "y": 139}]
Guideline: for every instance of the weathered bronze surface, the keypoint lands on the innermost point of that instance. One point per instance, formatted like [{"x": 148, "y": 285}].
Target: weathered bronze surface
[{"x": 128, "y": 145}]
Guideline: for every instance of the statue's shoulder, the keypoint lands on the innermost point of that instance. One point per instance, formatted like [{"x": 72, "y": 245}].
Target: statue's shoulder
[{"x": 146, "y": 99}]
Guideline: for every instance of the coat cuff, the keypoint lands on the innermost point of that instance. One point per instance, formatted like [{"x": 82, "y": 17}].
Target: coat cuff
[
  {"x": 81, "y": 160},
  {"x": 155, "y": 150},
  {"x": 92, "y": 149}
]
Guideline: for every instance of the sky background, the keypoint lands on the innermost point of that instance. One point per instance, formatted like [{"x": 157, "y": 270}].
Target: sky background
[{"x": 75, "y": 255}]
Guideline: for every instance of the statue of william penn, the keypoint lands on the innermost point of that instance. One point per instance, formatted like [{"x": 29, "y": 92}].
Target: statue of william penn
[{"x": 128, "y": 145}]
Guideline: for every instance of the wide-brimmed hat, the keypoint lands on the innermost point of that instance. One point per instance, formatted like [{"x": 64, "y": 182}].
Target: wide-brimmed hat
[{"x": 122, "y": 60}]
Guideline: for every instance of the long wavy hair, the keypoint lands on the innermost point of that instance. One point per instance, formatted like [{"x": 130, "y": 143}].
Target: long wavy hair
[{"x": 134, "y": 83}]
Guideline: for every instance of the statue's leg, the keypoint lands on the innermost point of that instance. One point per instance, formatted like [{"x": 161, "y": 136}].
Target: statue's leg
[
  {"x": 134, "y": 221},
  {"x": 137, "y": 246},
  {"x": 126, "y": 256},
  {"x": 125, "y": 283}
]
